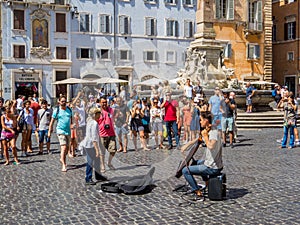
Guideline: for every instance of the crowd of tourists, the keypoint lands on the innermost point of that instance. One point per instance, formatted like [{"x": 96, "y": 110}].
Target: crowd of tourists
[{"x": 97, "y": 122}]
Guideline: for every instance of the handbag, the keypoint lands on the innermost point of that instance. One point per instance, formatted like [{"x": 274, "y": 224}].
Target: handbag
[{"x": 21, "y": 121}]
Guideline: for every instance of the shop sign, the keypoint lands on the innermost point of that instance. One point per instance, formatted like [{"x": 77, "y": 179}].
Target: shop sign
[{"x": 26, "y": 77}]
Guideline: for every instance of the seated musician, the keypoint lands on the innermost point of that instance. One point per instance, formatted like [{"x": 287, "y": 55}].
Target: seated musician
[{"x": 211, "y": 164}]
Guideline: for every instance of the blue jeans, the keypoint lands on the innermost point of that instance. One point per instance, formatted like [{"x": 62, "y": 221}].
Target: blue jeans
[
  {"x": 199, "y": 169},
  {"x": 285, "y": 136},
  {"x": 43, "y": 134},
  {"x": 93, "y": 162},
  {"x": 174, "y": 126}
]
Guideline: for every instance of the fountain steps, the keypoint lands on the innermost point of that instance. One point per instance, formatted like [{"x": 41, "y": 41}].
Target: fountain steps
[{"x": 271, "y": 119}]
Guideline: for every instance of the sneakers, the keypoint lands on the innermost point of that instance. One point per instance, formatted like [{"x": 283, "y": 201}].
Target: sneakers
[
  {"x": 170, "y": 147},
  {"x": 90, "y": 182},
  {"x": 100, "y": 178},
  {"x": 231, "y": 145},
  {"x": 224, "y": 145}
]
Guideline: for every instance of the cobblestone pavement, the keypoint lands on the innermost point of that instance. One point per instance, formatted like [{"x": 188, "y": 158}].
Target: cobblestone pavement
[{"x": 263, "y": 188}]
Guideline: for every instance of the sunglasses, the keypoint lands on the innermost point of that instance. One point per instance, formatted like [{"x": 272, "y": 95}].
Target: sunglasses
[{"x": 155, "y": 102}]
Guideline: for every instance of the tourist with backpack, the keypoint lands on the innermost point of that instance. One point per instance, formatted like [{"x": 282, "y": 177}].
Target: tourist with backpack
[
  {"x": 43, "y": 121},
  {"x": 26, "y": 115},
  {"x": 63, "y": 115}
]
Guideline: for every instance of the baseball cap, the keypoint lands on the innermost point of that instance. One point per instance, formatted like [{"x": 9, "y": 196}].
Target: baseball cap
[{"x": 144, "y": 99}]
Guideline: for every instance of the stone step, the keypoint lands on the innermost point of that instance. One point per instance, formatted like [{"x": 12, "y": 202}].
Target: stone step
[{"x": 259, "y": 121}]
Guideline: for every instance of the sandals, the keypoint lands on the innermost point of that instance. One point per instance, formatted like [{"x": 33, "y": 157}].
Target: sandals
[
  {"x": 64, "y": 170},
  {"x": 111, "y": 167}
]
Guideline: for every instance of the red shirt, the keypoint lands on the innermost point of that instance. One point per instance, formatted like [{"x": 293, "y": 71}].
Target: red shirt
[
  {"x": 106, "y": 118},
  {"x": 35, "y": 107},
  {"x": 170, "y": 110}
]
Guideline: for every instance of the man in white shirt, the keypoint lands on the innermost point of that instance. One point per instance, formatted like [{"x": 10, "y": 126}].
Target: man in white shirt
[
  {"x": 19, "y": 103},
  {"x": 212, "y": 162}
]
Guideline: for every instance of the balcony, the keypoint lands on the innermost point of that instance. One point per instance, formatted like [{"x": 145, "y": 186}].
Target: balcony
[
  {"x": 254, "y": 28},
  {"x": 56, "y": 2}
]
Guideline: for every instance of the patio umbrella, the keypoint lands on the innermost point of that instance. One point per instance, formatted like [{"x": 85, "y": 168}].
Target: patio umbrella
[
  {"x": 108, "y": 80},
  {"x": 262, "y": 82},
  {"x": 74, "y": 81}
]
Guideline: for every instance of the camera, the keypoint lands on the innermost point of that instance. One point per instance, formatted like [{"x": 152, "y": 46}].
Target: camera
[{"x": 106, "y": 126}]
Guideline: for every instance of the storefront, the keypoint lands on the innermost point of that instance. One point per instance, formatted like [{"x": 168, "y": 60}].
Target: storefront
[{"x": 26, "y": 83}]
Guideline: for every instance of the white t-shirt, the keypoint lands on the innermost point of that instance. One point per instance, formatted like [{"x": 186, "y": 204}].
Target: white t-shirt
[
  {"x": 213, "y": 157},
  {"x": 188, "y": 90},
  {"x": 81, "y": 112},
  {"x": 19, "y": 103}
]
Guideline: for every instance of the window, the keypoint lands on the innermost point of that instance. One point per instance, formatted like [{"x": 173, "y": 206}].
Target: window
[
  {"x": 104, "y": 23},
  {"x": 255, "y": 15},
  {"x": 188, "y": 29},
  {"x": 188, "y": 2},
  {"x": 124, "y": 24},
  {"x": 274, "y": 31},
  {"x": 84, "y": 23},
  {"x": 19, "y": 51},
  {"x": 253, "y": 51},
  {"x": 60, "y": 22},
  {"x": 150, "y": 56},
  {"x": 61, "y": 52},
  {"x": 290, "y": 31},
  {"x": 84, "y": 53},
  {"x": 19, "y": 19},
  {"x": 60, "y": 88},
  {"x": 225, "y": 9},
  {"x": 171, "y": 2},
  {"x": 150, "y": 26},
  {"x": 290, "y": 56},
  {"x": 170, "y": 57},
  {"x": 124, "y": 55},
  {"x": 227, "y": 51},
  {"x": 103, "y": 53},
  {"x": 172, "y": 28}
]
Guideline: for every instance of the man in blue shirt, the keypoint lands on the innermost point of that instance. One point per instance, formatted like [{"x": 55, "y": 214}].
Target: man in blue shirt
[
  {"x": 214, "y": 108},
  {"x": 249, "y": 94},
  {"x": 63, "y": 115}
]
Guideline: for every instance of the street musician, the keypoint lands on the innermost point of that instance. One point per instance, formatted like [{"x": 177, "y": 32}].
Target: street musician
[{"x": 212, "y": 163}]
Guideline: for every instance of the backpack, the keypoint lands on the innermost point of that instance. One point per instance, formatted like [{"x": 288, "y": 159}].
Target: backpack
[
  {"x": 140, "y": 184},
  {"x": 57, "y": 111},
  {"x": 21, "y": 121}
]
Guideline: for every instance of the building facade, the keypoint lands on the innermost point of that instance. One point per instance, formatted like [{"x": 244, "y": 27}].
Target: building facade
[
  {"x": 286, "y": 44},
  {"x": 244, "y": 28},
  {"x": 51, "y": 40}
]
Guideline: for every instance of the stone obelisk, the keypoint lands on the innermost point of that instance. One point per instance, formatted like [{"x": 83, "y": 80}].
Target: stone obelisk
[{"x": 205, "y": 39}]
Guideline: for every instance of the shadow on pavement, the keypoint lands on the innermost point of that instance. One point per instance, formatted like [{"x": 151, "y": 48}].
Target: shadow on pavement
[
  {"x": 33, "y": 161},
  {"x": 74, "y": 167},
  {"x": 235, "y": 193},
  {"x": 240, "y": 145}
]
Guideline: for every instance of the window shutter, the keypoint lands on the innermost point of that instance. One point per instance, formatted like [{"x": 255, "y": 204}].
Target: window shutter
[
  {"x": 259, "y": 15},
  {"x": 129, "y": 55},
  {"x": 121, "y": 25},
  {"x": 78, "y": 51},
  {"x": 228, "y": 50},
  {"x": 257, "y": 51},
  {"x": 176, "y": 27},
  {"x": 102, "y": 22},
  {"x": 156, "y": 56},
  {"x": 191, "y": 29},
  {"x": 218, "y": 9},
  {"x": 184, "y": 2},
  {"x": 230, "y": 7},
  {"x": 148, "y": 26},
  {"x": 145, "y": 55},
  {"x": 82, "y": 23},
  {"x": 169, "y": 28},
  {"x": 186, "y": 28},
  {"x": 98, "y": 53},
  {"x": 153, "y": 22},
  {"x": 91, "y": 53}
]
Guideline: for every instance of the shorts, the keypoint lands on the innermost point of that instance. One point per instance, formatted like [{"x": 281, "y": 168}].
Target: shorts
[
  {"x": 147, "y": 129},
  {"x": 227, "y": 123},
  {"x": 157, "y": 126},
  {"x": 109, "y": 143},
  {"x": 81, "y": 130},
  {"x": 248, "y": 101},
  {"x": 43, "y": 134},
  {"x": 121, "y": 130},
  {"x": 64, "y": 139}
]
